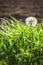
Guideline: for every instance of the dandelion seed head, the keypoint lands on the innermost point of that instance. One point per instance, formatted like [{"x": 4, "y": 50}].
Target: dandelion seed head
[{"x": 31, "y": 21}]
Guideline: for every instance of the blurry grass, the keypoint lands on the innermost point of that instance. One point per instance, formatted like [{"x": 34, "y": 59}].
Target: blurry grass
[{"x": 21, "y": 44}]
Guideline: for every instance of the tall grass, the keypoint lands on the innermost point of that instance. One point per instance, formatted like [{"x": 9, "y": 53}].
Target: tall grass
[{"x": 21, "y": 44}]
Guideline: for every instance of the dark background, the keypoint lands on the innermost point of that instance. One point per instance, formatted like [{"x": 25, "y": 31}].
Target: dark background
[{"x": 21, "y": 9}]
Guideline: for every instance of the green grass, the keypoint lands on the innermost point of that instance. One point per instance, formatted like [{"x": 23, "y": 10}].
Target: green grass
[{"x": 21, "y": 44}]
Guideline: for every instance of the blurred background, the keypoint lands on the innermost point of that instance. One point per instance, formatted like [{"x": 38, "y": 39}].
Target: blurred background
[{"x": 21, "y": 9}]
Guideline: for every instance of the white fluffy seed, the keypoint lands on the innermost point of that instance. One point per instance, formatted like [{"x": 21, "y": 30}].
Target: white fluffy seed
[{"x": 31, "y": 21}]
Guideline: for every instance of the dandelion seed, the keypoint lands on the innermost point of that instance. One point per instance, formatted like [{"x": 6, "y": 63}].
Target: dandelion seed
[{"x": 31, "y": 21}]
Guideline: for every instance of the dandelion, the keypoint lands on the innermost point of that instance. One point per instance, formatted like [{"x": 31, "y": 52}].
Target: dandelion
[{"x": 31, "y": 21}]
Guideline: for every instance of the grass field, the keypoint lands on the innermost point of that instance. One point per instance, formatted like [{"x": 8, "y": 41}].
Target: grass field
[{"x": 21, "y": 44}]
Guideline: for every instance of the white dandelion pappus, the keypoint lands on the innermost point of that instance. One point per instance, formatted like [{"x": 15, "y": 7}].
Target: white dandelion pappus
[{"x": 31, "y": 21}]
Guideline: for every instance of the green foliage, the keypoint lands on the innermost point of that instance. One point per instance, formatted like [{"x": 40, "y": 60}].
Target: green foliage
[{"x": 21, "y": 44}]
